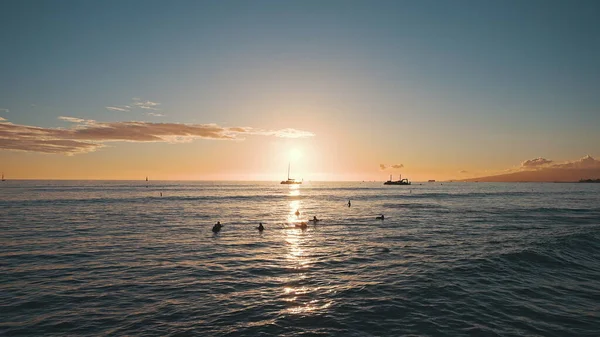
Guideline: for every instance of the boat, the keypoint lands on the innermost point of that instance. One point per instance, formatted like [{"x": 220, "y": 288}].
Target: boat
[
  {"x": 400, "y": 181},
  {"x": 290, "y": 181},
  {"x": 3, "y": 177},
  {"x": 431, "y": 181}
]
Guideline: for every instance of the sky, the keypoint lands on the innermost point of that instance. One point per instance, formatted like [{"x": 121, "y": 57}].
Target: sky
[{"x": 341, "y": 90}]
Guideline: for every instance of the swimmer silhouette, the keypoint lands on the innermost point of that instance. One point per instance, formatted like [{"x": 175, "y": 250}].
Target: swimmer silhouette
[
  {"x": 380, "y": 217},
  {"x": 260, "y": 227},
  {"x": 297, "y": 213},
  {"x": 217, "y": 227},
  {"x": 349, "y": 204},
  {"x": 314, "y": 219},
  {"x": 302, "y": 225}
]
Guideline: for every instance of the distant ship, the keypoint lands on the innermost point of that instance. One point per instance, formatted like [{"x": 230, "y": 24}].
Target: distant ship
[
  {"x": 3, "y": 177},
  {"x": 290, "y": 181},
  {"x": 431, "y": 181},
  {"x": 397, "y": 182}
]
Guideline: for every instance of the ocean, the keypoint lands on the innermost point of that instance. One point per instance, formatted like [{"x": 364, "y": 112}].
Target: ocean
[{"x": 116, "y": 258}]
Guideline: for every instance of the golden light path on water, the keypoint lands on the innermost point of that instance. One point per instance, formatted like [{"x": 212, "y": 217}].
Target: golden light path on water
[{"x": 298, "y": 241}]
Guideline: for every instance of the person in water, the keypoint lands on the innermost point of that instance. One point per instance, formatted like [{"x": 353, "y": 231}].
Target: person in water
[
  {"x": 297, "y": 212},
  {"x": 380, "y": 217},
  {"x": 217, "y": 227},
  {"x": 315, "y": 219},
  {"x": 261, "y": 227},
  {"x": 349, "y": 204}
]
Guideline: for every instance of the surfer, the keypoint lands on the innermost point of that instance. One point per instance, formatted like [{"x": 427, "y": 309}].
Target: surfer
[
  {"x": 315, "y": 219},
  {"x": 260, "y": 227},
  {"x": 380, "y": 217},
  {"x": 349, "y": 204},
  {"x": 217, "y": 227}
]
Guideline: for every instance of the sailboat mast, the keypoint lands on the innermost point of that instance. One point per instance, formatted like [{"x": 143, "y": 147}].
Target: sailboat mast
[{"x": 289, "y": 171}]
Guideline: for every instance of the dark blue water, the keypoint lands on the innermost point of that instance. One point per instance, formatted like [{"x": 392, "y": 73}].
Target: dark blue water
[{"x": 115, "y": 258}]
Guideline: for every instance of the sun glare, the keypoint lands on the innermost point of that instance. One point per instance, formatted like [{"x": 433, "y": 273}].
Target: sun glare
[{"x": 295, "y": 154}]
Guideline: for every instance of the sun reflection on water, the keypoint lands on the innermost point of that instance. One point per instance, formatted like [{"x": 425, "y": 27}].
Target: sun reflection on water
[{"x": 297, "y": 291}]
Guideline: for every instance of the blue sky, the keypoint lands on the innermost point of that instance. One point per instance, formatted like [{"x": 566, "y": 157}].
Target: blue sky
[{"x": 474, "y": 82}]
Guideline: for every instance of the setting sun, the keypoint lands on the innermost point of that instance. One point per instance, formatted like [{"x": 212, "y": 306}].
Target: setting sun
[{"x": 295, "y": 154}]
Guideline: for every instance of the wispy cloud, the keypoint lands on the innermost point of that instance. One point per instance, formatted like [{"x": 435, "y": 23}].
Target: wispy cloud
[
  {"x": 148, "y": 105},
  {"x": 384, "y": 167},
  {"x": 89, "y": 135},
  {"x": 155, "y": 114},
  {"x": 124, "y": 108},
  {"x": 71, "y": 119},
  {"x": 283, "y": 133},
  {"x": 138, "y": 103},
  {"x": 4, "y": 110},
  {"x": 463, "y": 171}
]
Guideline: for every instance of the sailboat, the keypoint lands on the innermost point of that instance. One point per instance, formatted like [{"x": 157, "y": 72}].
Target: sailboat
[
  {"x": 290, "y": 181},
  {"x": 3, "y": 177}
]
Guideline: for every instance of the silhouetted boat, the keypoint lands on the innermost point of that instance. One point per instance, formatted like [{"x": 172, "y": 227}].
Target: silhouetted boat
[
  {"x": 397, "y": 182},
  {"x": 431, "y": 181},
  {"x": 290, "y": 181},
  {"x": 3, "y": 177}
]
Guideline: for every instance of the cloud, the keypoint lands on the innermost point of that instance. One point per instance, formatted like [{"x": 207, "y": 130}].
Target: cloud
[
  {"x": 4, "y": 110},
  {"x": 586, "y": 162},
  {"x": 89, "y": 135},
  {"x": 148, "y": 105},
  {"x": 535, "y": 163},
  {"x": 139, "y": 104},
  {"x": 463, "y": 171},
  {"x": 124, "y": 108},
  {"x": 155, "y": 114},
  {"x": 283, "y": 133},
  {"x": 71, "y": 119},
  {"x": 384, "y": 167}
]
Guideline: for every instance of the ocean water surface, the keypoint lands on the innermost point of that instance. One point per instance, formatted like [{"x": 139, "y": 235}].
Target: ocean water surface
[{"x": 93, "y": 258}]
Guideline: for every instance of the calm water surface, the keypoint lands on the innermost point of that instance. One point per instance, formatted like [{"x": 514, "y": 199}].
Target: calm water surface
[{"x": 96, "y": 258}]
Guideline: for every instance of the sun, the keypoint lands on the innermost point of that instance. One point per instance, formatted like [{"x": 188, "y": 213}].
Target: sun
[{"x": 295, "y": 154}]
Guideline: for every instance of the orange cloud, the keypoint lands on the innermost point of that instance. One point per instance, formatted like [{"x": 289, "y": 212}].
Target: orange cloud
[
  {"x": 384, "y": 167},
  {"x": 89, "y": 135},
  {"x": 535, "y": 163}
]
